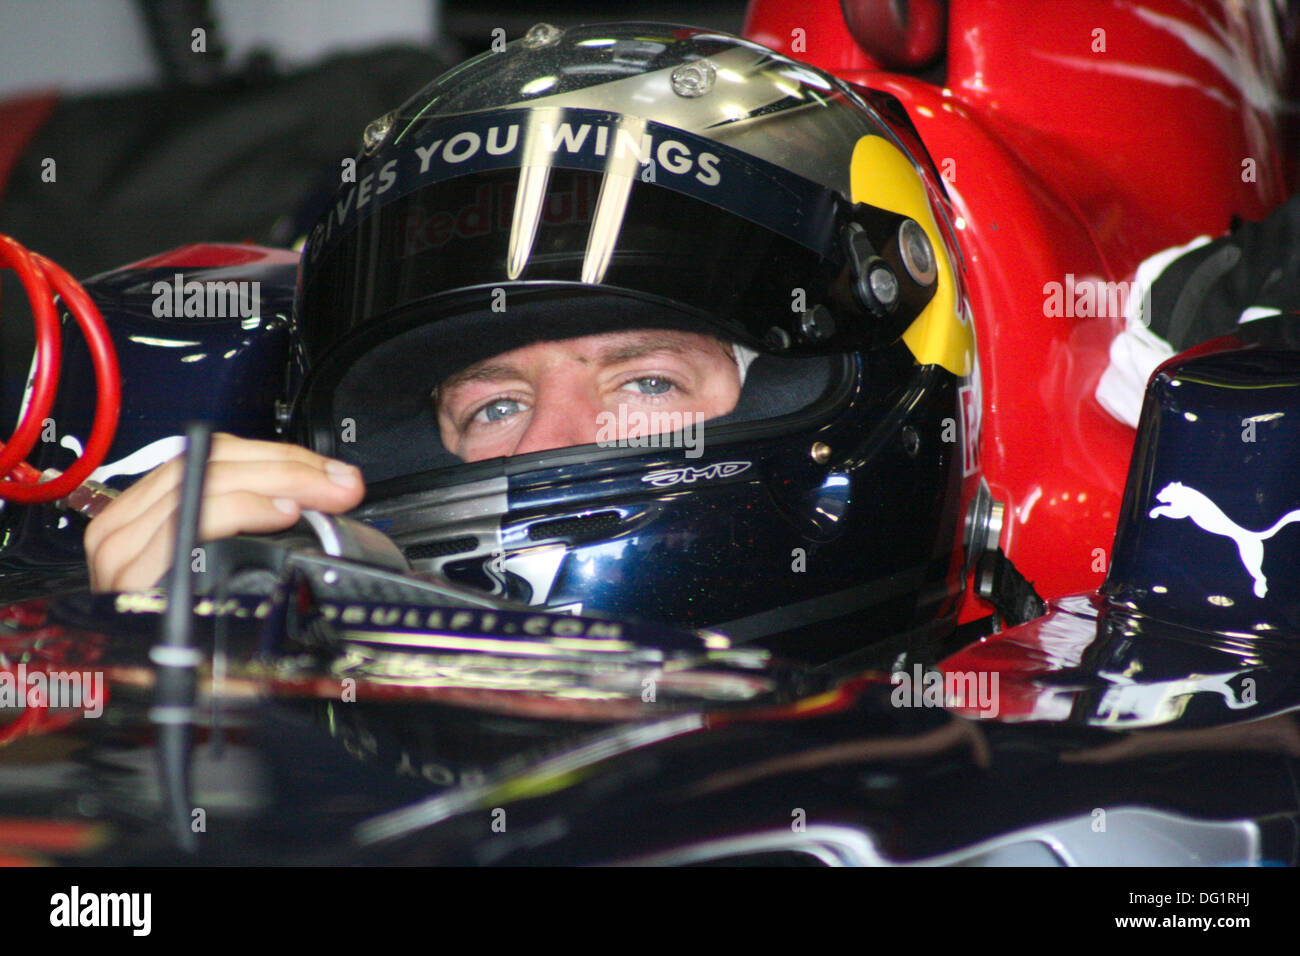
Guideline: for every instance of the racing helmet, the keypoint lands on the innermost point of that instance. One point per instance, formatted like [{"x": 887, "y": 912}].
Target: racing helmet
[{"x": 647, "y": 176}]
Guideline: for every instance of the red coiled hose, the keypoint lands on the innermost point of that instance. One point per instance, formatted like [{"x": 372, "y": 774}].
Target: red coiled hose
[{"x": 41, "y": 278}]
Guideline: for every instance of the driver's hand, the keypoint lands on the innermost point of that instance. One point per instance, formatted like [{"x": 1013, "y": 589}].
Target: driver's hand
[{"x": 251, "y": 487}]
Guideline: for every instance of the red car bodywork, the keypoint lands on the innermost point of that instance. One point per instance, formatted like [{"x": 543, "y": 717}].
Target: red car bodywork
[{"x": 1075, "y": 140}]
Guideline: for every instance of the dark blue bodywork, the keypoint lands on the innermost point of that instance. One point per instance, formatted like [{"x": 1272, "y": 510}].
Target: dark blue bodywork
[{"x": 230, "y": 371}]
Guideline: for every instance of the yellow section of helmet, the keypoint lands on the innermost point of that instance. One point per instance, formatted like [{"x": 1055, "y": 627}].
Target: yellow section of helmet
[{"x": 881, "y": 175}]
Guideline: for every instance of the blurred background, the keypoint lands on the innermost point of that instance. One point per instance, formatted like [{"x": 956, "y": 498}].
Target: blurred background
[
  {"x": 123, "y": 133},
  {"x": 156, "y": 143}
]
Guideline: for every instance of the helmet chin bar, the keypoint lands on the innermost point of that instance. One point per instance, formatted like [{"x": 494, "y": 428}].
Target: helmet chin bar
[
  {"x": 465, "y": 523},
  {"x": 439, "y": 525}
]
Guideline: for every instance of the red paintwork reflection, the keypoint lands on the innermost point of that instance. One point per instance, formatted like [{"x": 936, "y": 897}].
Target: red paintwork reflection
[
  {"x": 211, "y": 255},
  {"x": 29, "y": 646},
  {"x": 1050, "y": 644}
]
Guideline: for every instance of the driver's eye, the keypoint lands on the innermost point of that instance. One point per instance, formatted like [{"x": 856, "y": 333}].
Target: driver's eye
[
  {"x": 651, "y": 385},
  {"x": 496, "y": 411}
]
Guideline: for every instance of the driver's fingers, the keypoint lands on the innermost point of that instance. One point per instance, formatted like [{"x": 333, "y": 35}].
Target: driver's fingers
[
  {"x": 138, "y": 555},
  {"x": 301, "y": 485},
  {"x": 321, "y": 484}
]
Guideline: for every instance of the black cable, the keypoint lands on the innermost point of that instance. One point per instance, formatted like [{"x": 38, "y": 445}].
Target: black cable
[
  {"x": 220, "y": 624},
  {"x": 175, "y": 656}
]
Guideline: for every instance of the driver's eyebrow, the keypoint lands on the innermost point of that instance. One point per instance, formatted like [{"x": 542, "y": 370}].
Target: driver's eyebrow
[
  {"x": 491, "y": 372},
  {"x": 631, "y": 351},
  {"x": 652, "y": 343}
]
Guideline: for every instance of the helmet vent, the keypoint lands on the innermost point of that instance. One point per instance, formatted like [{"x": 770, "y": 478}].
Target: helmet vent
[
  {"x": 598, "y": 523},
  {"x": 442, "y": 548}
]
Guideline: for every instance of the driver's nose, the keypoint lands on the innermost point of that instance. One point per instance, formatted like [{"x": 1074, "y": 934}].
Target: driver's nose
[{"x": 564, "y": 413}]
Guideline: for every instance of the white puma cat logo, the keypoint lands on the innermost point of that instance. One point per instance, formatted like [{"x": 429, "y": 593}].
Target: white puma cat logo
[{"x": 1180, "y": 501}]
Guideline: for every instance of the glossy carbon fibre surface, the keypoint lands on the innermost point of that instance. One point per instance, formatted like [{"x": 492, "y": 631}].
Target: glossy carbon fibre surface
[{"x": 427, "y": 772}]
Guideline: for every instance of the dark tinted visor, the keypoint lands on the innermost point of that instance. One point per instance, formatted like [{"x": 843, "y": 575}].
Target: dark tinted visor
[{"x": 655, "y": 212}]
